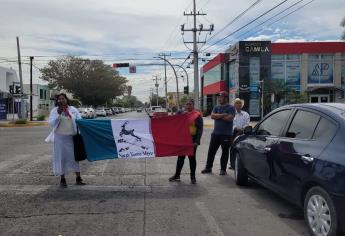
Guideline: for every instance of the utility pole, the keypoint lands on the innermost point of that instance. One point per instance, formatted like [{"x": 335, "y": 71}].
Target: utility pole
[
  {"x": 165, "y": 78},
  {"x": 151, "y": 96},
  {"x": 156, "y": 85},
  {"x": 22, "y": 108},
  {"x": 31, "y": 110},
  {"x": 195, "y": 49}
]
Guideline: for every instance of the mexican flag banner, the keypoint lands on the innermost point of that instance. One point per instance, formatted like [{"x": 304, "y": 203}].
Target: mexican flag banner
[{"x": 140, "y": 138}]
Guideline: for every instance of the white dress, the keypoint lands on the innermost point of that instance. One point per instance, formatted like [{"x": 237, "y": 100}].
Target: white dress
[{"x": 63, "y": 150}]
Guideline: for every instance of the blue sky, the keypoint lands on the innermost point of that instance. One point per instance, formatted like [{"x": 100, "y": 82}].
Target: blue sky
[{"x": 117, "y": 31}]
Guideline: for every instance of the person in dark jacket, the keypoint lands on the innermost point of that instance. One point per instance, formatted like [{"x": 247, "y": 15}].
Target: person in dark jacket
[{"x": 195, "y": 129}]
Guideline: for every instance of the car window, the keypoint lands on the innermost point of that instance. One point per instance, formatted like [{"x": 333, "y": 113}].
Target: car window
[
  {"x": 325, "y": 131},
  {"x": 274, "y": 123},
  {"x": 303, "y": 125}
]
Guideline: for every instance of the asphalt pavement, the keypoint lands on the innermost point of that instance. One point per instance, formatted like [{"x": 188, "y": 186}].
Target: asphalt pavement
[{"x": 130, "y": 197}]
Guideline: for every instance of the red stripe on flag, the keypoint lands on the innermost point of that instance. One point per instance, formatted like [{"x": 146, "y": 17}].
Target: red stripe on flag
[{"x": 171, "y": 136}]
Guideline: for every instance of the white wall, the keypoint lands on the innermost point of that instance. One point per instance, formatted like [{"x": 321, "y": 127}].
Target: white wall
[{"x": 7, "y": 76}]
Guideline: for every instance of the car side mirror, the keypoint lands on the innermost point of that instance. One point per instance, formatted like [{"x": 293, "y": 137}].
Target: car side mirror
[{"x": 248, "y": 130}]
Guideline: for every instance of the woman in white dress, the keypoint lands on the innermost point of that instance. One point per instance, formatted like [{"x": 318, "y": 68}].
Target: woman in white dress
[{"x": 62, "y": 119}]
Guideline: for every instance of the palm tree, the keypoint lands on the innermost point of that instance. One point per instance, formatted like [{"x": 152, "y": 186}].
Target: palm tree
[{"x": 342, "y": 23}]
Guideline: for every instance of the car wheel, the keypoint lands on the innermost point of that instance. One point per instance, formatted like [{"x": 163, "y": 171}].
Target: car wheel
[
  {"x": 240, "y": 172},
  {"x": 319, "y": 213}
]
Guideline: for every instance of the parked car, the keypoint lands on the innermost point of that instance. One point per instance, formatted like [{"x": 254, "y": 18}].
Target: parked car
[
  {"x": 108, "y": 111},
  {"x": 84, "y": 112},
  {"x": 159, "y": 112},
  {"x": 298, "y": 152},
  {"x": 101, "y": 112},
  {"x": 115, "y": 110},
  {"x": 92, "y": 112},
  {"x": 152, "y": 109}
]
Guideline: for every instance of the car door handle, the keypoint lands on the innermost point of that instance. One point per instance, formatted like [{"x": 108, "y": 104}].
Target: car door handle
[
  {"x": 307, "y": 159},
  {"x": 267, "y": 149}
]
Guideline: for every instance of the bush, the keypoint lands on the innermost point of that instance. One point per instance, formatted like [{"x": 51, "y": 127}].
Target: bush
[
  {"x": 21, "y": 122},
  {"x": 41, "y": 118}
]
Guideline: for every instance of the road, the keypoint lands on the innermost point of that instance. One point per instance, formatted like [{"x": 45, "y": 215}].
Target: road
[{"x": 130, "y": 197}]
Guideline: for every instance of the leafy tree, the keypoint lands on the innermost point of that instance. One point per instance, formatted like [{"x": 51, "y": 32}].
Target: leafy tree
[
  {"x": 342, "y": 23},
  {"x": 153, "y": 100},
  {"x": 90, "y": 81},
  {"x": 283, "y": 94},
  {"x": 126, "y": 101}
]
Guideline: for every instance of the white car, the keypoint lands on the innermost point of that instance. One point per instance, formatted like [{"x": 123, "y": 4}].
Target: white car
[
  {"x": 108, "y": 111},
  {"x": 84, "y": 113},
  {"x": 92, "y": 112},
  {"x": 101, "y": 112}
]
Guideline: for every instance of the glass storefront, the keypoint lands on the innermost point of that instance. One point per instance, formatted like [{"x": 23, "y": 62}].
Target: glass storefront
[
  {"x": 320, "y": 69},
  {"x": 288, "y": 69}
]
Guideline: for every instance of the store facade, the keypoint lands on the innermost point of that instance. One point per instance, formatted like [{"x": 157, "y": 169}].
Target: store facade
[{"x": 316, "y": 69}]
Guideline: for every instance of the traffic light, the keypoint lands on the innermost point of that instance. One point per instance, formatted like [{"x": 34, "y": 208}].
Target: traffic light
[
  {"x": 18, "y": 89},
  {"x": 11, "y": 89},
  {"x": 185, "y": 90},
  {"x": 117, "y": 65},
  {"x": 132, "y": 69}
]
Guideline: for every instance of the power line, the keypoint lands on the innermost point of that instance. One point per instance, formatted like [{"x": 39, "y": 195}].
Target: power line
[
  {"x": 235, "y": 19},
  {"x": 242, "y": 27},
  {"x": 279, "y": 13},
  {"x": 282, "y": 16}
]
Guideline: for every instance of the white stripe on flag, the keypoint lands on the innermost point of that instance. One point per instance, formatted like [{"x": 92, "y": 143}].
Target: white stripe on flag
[{"x": 133, "y": 138}]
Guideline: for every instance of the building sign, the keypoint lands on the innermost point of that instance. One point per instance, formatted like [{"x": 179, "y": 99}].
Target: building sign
[
  {"x": 255, "y": 47},
  {"x": 293, "y": 73},
  {"x": 320, "y": 70},
  {"x": 3, "y": 109}
]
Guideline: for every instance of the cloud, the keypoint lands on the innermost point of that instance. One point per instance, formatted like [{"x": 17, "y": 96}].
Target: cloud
[{"x": 116, "y": 30}]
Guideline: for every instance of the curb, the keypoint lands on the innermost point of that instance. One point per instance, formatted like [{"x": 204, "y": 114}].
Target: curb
[{"x": 8, "y": 125}]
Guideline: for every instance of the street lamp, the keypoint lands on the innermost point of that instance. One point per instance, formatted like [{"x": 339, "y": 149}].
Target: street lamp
[
  {"x": 177, "y": 93},
  {"x": 185, "y": 72}
]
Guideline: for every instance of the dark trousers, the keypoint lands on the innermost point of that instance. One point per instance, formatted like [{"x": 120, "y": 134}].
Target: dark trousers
[
  {"x": 218, "y": 140},
  {"x": 192, "y": 164}
]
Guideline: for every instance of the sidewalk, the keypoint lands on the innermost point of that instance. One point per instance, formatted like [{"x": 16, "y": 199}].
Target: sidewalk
[
  {"x": 209, "y": 123},
  {"x": 10, "y": 123}
]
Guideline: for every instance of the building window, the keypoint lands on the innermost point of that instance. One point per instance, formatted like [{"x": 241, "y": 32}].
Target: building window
[
  {"x": 43, "y": 94},
  {"x": 288, "y": 69},
  {"x": 320, "y": 69},
  {"x": 214, "y": 75}
]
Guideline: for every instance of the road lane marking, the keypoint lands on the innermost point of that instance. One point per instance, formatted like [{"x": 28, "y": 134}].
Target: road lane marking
[{"x": 211, "y": 222}]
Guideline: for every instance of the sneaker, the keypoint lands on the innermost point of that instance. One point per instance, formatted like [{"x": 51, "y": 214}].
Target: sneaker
[
  {"x": 79, "y": 181},
  {"x": 206, "y": 171},
  {"x": 193, "y": 181},
  {"x": 63, "y": 183},
  {"x": 222, "y": 172},
  {"x": 174, "y": 179}
]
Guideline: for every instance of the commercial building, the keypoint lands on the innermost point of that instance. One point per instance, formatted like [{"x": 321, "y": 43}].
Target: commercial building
[
  {"x": 42, "y": 99},
  {"x": 316, "y": 69},
  {"x": 8, "y": 77}
]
